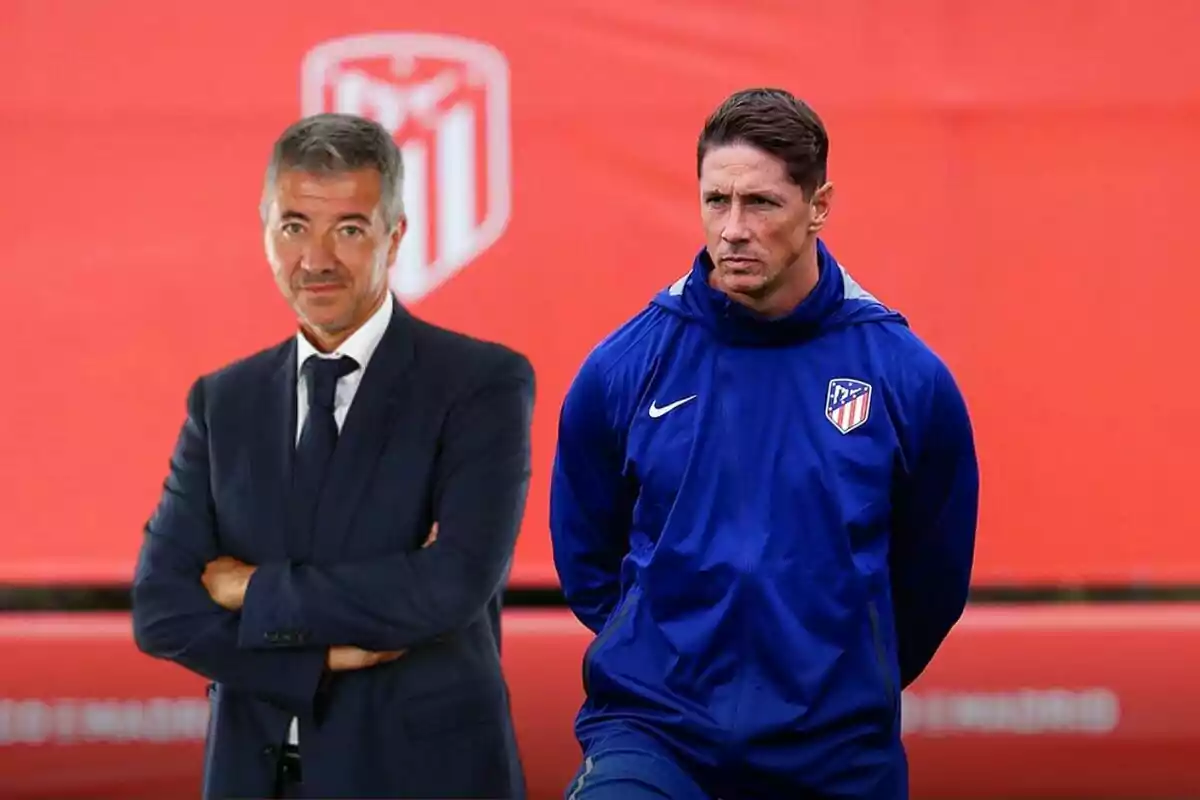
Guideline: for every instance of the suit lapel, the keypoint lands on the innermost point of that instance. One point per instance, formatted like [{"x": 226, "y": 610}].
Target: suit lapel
[
  {"x": 274, "y": 446},
  {"x": 365, "y": 431}
]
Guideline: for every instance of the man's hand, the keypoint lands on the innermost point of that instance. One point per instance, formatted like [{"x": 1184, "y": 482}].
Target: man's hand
[
  {"x": 346, "y": 658},
  {"x": 226, "y": 580}
]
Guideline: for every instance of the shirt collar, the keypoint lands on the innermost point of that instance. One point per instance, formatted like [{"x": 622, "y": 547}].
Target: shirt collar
[{"x": 361, "y": 344}]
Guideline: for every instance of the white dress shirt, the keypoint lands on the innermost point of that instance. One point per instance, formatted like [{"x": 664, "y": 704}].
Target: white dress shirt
[{"x": 360, "y": 346}]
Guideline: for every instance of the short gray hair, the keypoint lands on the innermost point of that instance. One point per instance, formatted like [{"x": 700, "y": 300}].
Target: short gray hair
[{"x": 332, "y": 143}]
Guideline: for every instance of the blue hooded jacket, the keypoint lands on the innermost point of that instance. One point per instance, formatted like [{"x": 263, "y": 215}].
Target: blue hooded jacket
[{"x": 769, "y": 524}]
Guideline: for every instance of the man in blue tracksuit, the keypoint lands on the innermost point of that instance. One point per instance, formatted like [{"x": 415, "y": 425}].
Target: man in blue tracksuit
[{"x": 764, "y": 502}]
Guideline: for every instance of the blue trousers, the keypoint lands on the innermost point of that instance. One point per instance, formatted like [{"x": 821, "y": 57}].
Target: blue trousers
[{"x": 630, "y": 766}]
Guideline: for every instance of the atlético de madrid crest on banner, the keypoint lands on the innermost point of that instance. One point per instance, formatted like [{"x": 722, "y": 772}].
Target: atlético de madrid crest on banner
[
  {"x": 847, "y": 403},
  {"x": 446, "y": 101}
]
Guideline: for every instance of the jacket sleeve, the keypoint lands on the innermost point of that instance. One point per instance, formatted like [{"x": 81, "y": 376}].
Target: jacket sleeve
[
  {"x": 173, "y": 616},
  {"x": 591, "y": 501},
  {"x": 398, "y": 601},
  {"x": 934, "y": 532}
]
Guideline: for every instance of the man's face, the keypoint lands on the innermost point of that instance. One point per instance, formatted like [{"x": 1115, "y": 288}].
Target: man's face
[
  {"x": 756, "y": 221},
  {"x": 329, "y": 247}
]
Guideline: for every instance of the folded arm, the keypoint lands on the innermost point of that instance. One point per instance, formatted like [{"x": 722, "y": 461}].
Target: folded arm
[
  {"x": 174, "y": 618},
  {"x": 934, "y": 543},
  {"x": 397, "y": 601},
  {"x": 591, "y": 502}
]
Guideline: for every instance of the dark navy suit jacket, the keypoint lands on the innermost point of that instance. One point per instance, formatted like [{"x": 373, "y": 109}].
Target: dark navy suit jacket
[{"x": 439, "y": 430}]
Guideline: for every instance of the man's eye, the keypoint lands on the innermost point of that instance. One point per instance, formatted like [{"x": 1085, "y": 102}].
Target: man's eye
[
  {"x": 353, "y": 231},
  {"x": 291, "y": 228}
]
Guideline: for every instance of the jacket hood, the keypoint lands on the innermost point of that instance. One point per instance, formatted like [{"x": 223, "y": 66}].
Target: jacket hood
[{"x": 836, "y": 301}]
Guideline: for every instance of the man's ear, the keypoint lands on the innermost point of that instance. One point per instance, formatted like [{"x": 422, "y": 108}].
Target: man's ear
[
  {"x": 396, "y": 236},
  {"x": 821, "y": 204}
]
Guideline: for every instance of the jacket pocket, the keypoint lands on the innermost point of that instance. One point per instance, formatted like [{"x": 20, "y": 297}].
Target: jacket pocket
[
  {"x": 881, "y": 659},
  {"x": 614, "y": 624}
]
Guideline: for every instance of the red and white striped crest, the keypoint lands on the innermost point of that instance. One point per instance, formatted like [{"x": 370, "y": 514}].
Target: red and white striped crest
[
  {"x": 445, "y": 100},
  {"x": 848, "y": 403}
]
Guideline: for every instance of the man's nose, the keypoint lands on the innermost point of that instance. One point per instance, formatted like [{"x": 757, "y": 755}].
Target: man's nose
[
  {"x": 318, "y": 255},
  {"x": 735, "y": 229}
]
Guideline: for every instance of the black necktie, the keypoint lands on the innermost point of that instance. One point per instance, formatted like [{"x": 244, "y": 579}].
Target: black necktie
[{"x": 320, "y": 432}]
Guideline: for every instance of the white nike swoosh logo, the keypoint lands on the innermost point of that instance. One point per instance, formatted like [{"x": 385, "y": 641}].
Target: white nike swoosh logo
[{"x": 657, "y": 411}]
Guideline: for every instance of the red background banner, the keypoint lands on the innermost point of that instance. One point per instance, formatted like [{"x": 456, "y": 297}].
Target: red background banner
[
  {"x": 1016, "y": 177},
  {"x": 1022, "y": 702}
]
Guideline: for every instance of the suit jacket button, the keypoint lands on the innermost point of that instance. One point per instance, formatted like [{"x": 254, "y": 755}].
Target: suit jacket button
[{"x": 270, "y": 750}]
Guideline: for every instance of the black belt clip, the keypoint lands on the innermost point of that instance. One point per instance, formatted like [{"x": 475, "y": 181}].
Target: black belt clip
[{"x": 289, "y": 765}]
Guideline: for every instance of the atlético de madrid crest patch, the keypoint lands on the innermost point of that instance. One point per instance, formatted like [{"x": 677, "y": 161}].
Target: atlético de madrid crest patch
[{"x": 848, "y": 403}]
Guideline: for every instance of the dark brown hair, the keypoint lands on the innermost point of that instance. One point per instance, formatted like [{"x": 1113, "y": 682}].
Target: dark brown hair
[{"x": 776, "y": 122}]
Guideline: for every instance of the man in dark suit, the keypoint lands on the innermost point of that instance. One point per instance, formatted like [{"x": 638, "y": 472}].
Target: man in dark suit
[{"x": 290, "y": 561}]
